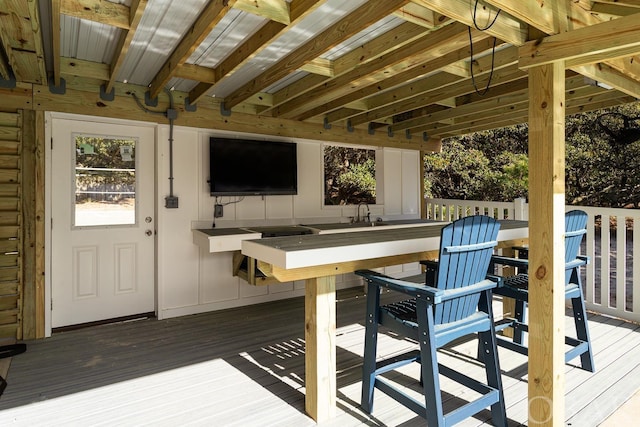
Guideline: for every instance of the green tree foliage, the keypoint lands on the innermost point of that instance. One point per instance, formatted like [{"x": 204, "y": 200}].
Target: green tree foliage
[
  {"x": 601, "y": 170},
  {"x": 103, "y": 173},
  {"x": 349, "y": 175}
]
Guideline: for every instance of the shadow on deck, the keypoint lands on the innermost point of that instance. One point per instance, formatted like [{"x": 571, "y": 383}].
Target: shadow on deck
[{"x": 245, "y": 366}]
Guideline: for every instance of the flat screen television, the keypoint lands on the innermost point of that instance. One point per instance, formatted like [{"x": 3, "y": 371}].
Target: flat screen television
[{"x": 245, "y": 167}]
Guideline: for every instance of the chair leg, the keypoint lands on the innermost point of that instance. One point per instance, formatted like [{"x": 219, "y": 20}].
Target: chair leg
[
  {"x": 494, "y": 379},
  {"x": 429, "y": 366},
  {"x": 489, "y": 345},
  {"x": 582, "y": 331},
  {"x": 370, "y": 347},
  {"x": 521, "y": 317}
]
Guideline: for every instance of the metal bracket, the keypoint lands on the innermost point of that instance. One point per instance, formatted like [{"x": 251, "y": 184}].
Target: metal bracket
[
  {"x": 150, "y": 102},
  {"x": 425, "y": 136},
  {"x": 224, "y": 111},
  {"x": 389, "y": 132},
  {"x": 349, "y": 126},
  {"x": 370, "y": 129},
  {"x": 326, "y": 124},
  {"x": 107, "y": 96},
  {"x": 407, "y": 134},
  {"x": 188, "y": 106},
  {"x": 58, "y": 90}
]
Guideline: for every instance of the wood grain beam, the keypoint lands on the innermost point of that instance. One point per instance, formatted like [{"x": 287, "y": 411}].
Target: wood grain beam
[
  {"x": 362, "y": 17},
  {"x": 135, "y": 15},
  {"x": 85, "y": 99},
  {"x": 612, "y": 77},
  {"x": 561, "y": 16},
  {"x": 385, "y": 106},
  {"x": 600, "y": 102},
  {"x": 22, "y": 39},
  {"x": 505, "y": 28},
  {"x": 515, "y": 107},
  {"x": 418, "y": 15},
  {"x": 385, "y": 43},
  {"x": 596, "y": 43},
  {"x": 274, "y": 10},
  {"x": 102, "y": 11},
  {"x": 299, "y": 9},
  {"x": 213, "y": 12},
  {"x": 546, "y": 245},
  {"x": 416, "y": 54}
]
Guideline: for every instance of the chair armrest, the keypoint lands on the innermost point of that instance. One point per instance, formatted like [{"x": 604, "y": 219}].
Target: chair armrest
[
  {"x": 428, "y": 293},
  {"x": 514, "y": 262},
  {"x": 584, "y": 258}
]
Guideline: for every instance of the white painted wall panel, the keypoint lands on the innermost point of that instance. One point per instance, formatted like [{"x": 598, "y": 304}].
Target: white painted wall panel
[
  {"x": 192, "y": 281},
  {"x": 178, "y": 257},
  {"x": 410, "y": 182},
  {"x": 392, "y": 181}
]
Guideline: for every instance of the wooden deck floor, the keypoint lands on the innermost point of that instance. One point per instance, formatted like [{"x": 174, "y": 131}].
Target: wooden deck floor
[{"x": 245, "y": 367}]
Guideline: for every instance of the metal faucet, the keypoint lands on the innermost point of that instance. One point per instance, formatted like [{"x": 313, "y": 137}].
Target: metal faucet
[{"x": 368, "y": 216}]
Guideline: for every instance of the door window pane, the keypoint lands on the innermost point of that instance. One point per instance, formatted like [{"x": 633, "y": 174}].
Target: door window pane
[{"x": 105, "y": 181}]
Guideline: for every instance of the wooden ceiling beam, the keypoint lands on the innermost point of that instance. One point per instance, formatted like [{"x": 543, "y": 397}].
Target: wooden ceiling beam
[
  {"x": 255, "y": 44},
  {"x": 498, "y": 107},
  {"x": 362, "y": 17},
  {"x": 414, "y": 55},
  {"x": 596, "y": 43},
  {"x": 418, "y": 15},
  {"x": 213, "y": 12},
  {"x": 385, "y": 43},
  {"x": 617, "y": 9},
  {"x": 603, "y": 73},
  {"x": 274, "y": 10},
  {"x": 21, "y": 37},
  {"x": 135, "y": 15},
  {"x": 394, "y": 89},
  {"x": 102, "y": 11},
  {"x": 504, "y": 70},
  {"x": 505, "y": 28},
  {"x": 597, "y": 102},
  {"x": 562, "y": 16}
]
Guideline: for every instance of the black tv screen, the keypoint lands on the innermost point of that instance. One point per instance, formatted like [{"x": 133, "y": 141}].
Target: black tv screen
[{"x": 244, "y": 167}]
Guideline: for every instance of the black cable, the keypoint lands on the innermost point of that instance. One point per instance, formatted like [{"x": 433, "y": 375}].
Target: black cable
[
  {"x": 493, "y": 50},
  {"x": 475, "y": 23},
  {"x": 493, "y": 58}
]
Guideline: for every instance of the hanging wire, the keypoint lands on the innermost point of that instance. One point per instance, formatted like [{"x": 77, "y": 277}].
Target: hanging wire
[
  {"x": 493, "y": 50},
  {"x": 475, "y": 22}
]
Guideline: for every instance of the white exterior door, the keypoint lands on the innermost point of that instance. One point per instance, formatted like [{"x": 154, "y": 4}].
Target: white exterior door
[{"x": 103, "y": 222}]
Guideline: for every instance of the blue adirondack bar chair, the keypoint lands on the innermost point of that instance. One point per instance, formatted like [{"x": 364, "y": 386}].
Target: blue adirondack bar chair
[
  {"x": 517, "y": 287},
  {"x": 456, "y": 303}
]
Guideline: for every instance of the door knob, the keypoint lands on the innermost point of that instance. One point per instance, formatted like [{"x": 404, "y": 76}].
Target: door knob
[{"x": 148, "y": 232}]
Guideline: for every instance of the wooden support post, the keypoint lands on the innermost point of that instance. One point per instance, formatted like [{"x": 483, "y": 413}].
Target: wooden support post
[
  {"x": 320, "y": 348},
  {"x": 546, "y": 243}
]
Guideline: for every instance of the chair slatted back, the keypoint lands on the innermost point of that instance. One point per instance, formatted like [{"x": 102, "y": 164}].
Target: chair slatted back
[
  {"x": 575, "y": 228},
  {"x": 466, "y": 246}
]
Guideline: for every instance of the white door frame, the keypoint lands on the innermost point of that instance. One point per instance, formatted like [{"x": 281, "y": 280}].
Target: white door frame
[{"x": 49, "y": 116}]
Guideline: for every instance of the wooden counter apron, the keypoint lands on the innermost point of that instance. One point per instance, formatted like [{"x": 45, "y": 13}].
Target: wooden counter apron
[{"x": 317, "y": 259}]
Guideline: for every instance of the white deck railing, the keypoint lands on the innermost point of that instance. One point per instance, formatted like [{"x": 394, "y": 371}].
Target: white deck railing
[{"x": 611, "y": 280}]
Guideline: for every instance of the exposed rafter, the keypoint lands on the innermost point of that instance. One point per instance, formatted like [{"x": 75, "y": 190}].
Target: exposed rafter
[
  {"x": 361, "y": 18},
  {"x": 213, "y": 12}
]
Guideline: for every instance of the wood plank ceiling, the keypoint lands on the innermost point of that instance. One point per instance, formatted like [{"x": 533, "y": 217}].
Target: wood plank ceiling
[{"x": 432, "y": 68}]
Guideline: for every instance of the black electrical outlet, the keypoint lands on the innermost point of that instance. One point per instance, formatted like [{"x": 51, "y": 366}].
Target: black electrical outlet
[
  {"x": 171, "y": 202},
  {"x": 217, "y": 211}
]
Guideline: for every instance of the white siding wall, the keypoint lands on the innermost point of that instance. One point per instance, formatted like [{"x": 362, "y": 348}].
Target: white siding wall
[{"x": 191, "y": 280}]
